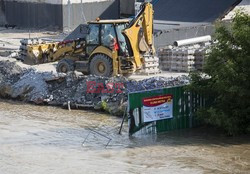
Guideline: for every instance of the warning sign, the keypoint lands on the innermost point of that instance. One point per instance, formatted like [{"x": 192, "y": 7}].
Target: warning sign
[{"x": 157, "y": 108}]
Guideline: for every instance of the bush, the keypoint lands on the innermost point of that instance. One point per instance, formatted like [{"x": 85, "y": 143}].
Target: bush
[{"x": 227, "y": 79}]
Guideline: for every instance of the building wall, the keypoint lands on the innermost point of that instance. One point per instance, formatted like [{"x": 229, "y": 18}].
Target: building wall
[
  {"x": 167, "y": 37},
  {"x": 243, "y": 6},
  {"x": 80, "y": 1},
  {"x": 2, "y": 15},
  {"x": 55, "y": 14},
  {"x": 127, "y": 9},
  {"x": 75, "y": 12},
  {"x": 37, "y": 14}
]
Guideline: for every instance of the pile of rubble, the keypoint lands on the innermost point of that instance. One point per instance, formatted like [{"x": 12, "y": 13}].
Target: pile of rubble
[
  {"x": 71, "y": 90},
  {"x": 155, "y": 83}
]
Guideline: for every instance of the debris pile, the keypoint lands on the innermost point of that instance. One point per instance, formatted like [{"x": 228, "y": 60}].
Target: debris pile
[
  {"x": 71, "y": 90},
  {"x": 156, "y": 82},
  {"x": 9, "y": 74}
]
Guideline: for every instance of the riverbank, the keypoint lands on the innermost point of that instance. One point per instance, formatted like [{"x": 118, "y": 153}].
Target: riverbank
[{"x": 41, "y": 84}]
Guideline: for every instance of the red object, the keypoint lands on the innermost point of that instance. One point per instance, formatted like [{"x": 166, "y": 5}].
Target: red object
[
  {"x": 91, "y": 87},
  {"x": 157, "y": 100},
  {"x": 116, "y": 45}
]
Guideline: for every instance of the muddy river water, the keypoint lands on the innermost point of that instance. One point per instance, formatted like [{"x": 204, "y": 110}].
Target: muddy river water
[{"x": 41, "y": 139}]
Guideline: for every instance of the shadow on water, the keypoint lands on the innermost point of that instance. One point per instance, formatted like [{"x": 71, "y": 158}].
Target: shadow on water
[{"x": 190, "y": 137}]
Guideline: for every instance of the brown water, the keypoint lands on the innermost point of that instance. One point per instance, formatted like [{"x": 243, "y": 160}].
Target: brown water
[{"x": 41, "y": 139}]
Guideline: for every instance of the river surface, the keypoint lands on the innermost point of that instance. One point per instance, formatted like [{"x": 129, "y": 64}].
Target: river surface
[{"x": 42, "y": 139}]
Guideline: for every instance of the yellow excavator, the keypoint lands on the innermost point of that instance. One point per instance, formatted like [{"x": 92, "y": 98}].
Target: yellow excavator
[{"x": 108, "y": 48}]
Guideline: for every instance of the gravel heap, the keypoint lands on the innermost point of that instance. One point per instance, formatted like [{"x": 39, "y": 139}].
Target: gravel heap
[{"x": 156, "y": 82}]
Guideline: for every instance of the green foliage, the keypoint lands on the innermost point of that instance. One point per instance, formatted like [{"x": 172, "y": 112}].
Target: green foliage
[
  {"x": 227, "y": 80},
  {"x": 104, "y": 106}
]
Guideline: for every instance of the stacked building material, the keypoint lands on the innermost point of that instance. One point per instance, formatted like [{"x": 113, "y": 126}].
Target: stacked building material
[
  {"x": 165, "y": 58},
  {"x": 200, "y": 55},
  {"x": 150, "y": 65},
  {"x": 183, "y": 59},
  {"x": 24, "y": 47}
]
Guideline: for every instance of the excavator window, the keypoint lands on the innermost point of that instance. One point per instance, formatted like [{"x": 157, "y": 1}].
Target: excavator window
[
  {"x": 108, "y": 35},
  {"x": 93, "y": 36},
  {"x": 93, "y": 39},
  {"x": 121, "y": 38}
]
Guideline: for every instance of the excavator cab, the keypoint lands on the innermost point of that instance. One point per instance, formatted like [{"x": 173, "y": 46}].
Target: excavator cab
[{"x": 107, "y": 33}]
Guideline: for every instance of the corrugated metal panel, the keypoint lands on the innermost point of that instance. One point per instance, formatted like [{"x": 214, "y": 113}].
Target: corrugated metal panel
[
  {"x": 33, "y": 15},
  {"x": 80, "y": 1},
  {"x": 2, "y": 15},
  {"x": 50, "y": 14},
  {"x": 184, "y": 104},
  {"x": 57, "y": 1}
]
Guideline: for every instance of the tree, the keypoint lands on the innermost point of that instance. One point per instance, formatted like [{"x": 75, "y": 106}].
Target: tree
[{"x": 226, "y": 82}]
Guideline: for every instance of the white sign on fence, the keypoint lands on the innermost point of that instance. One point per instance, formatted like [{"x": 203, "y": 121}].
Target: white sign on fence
[{"x": 157, "y": 108}]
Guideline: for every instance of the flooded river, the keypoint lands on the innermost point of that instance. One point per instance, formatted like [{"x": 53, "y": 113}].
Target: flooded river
[{"x": 41, "y": 139}]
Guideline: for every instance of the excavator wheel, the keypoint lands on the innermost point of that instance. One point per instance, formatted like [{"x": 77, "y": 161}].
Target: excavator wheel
[
  {"x": 65, "y": 65},
  {"x": 101, "y": 65}
]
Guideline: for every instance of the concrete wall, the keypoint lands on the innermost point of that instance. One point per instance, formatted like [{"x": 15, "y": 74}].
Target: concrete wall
[
  {"x": 80, "y": 1},
  {"x": 127, "y": 9},
  {"x": 177, "y": 19},
  {"x": 2, "y": 15},
  {"x": 243, "y": 6},
  {"x": 33, "y": 13},
  {"x": 75, "y": 13},
  {"x": 192, "y": 10},
  {"x": 38, "y": 1},
  {"x": 55, "y": 14},
  {"x": 167, "y": 37}
]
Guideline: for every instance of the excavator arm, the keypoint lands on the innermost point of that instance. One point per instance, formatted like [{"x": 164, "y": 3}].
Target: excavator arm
[{"x": 143, "y": 22}]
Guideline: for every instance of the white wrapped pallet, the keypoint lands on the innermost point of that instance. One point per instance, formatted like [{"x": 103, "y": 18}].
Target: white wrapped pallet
[
  {"x": 151, "y": 65},
  {"x": 184, "y": 58}
]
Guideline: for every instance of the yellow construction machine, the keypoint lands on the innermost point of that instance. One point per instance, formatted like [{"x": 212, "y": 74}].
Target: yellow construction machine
[{"x": 110, "y": 47}]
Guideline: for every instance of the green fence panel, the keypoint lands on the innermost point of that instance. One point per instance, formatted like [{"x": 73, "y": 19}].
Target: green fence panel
[{"x": 184, "y": 105}]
